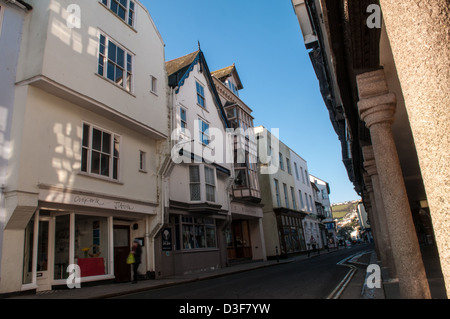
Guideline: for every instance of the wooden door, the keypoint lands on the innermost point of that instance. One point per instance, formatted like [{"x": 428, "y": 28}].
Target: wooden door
[{"x": 122, "y": 271}]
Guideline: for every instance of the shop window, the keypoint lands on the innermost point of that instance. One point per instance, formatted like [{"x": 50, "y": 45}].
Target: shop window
[
  {"x": 28, "y": 252},
  {"x": 42, "y": 259},
  {"x": 92, "y": 245},
  {"x": 62, "y": 246},
  {"x": 198, "y": 233}
]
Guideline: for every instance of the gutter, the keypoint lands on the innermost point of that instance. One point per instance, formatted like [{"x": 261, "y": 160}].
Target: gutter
[{"x": 21, "y": 4}]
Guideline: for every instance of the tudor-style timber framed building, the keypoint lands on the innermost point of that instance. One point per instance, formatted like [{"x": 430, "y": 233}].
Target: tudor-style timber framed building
[{"x": 245, "y": 236}]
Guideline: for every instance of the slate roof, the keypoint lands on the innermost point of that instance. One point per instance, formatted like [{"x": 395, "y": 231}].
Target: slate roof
[
  {"x": 226, "y": 72},
  {"x": 177, "y": 64}
]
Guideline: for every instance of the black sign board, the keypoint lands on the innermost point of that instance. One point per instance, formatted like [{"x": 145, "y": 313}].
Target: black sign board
[{"x": 167, "y": 239}]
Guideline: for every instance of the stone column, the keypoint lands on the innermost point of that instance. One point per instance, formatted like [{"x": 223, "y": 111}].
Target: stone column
[
  {"x": 370, "y": 212},
  {"x": 380, "y": 214},
  {"x": 419, "y": 34},
  {"x": 377, "y": 109}
]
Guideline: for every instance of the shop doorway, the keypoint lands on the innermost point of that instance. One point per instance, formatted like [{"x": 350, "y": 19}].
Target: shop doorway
[
  {"x": 43, "y": 279},
  {"x": 239, "y": 244},
  {"x": 122, "y": 271}
]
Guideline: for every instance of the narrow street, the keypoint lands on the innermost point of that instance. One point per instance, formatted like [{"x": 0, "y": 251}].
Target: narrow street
[{"x": 312, "y": 278}]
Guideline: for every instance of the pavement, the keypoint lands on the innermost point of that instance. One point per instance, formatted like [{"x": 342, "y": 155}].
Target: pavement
[{"x": 352, "y": 288}]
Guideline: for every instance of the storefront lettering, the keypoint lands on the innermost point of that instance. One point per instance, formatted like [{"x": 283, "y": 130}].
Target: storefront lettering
[
  {"x": 88, "y": 200},
  {"x": 98, "y": 202},
  {"x": 122, "y": 206}
]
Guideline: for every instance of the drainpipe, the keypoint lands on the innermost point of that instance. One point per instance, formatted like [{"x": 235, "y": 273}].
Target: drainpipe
[
  {"x": 2, "y": 223},
  {"x": 21, "y": 4},
  {"x": 162, "y": 189}
]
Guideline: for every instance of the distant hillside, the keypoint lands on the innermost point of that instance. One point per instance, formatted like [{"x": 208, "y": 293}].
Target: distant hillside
[{"x": 339, "y": 210}]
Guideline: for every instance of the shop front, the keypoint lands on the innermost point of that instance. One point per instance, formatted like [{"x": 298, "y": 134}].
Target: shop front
[
  {"x": 292, "y": 237},
  {"x": 244, "y": 235},
  {"x": 90, "y": 231},
  {"x": 192, "y": 241}
]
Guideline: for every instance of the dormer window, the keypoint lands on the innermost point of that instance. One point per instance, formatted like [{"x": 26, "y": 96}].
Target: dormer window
[{"x": 232, "y": 87}]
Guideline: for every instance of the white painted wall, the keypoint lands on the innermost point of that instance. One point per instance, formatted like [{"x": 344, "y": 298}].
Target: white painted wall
[
  {"x": 70, "y": 56},
  {"x": 302, "y": 183},
  {"x": 11, "y": 21},
  {"x": 187, "y": 98}
]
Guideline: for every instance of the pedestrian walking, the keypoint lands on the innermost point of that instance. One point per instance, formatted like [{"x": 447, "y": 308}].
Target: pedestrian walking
[
  {"x": 312, "y": 244},
  {"x": 136, "y": 250}
]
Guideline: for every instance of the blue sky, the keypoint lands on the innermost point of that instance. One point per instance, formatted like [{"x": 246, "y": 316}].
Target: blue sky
[{"x": 264, "y": 40}]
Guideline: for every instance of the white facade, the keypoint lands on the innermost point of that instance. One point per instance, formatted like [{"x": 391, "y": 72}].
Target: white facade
[
  {"x": 198, "y": 203},
  {"x": 11, "y": 22},
  {"x": 283, "y": 213},
  {"x": 304, "y": 191},
  {"x": 323, "y": 194},
  {"x": 85, "y": 162}
]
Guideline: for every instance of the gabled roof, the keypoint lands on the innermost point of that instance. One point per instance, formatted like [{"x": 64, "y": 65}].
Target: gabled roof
[
  {"x": 177, "y": 64},
  {"x": 178, "y": 71},
  {"x": 224, "y": 73}
]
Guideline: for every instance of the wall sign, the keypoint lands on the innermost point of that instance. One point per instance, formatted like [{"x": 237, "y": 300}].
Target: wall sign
[
  {"x": 167, "y": 239},
  {"x": 56, "y": 196}
]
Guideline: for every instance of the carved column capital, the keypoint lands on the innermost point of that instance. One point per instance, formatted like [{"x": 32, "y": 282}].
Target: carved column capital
[
  {"x": 368, "y": 182},
  {"x": 369, "y": 160},
  {"x": 376, "y": 104}
]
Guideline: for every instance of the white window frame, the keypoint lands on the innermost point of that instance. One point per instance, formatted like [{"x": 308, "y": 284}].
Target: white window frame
[
  {"x": 89, "y": 150},
  {"x": 296, "y": 171},
  {"x": 213, "y": 172},
  {"x": 277, "y": 192},
  {"x": 203, "y": 133},
  {"x": 203, "y": 98},
  {"x": 286, "y": 196},
  {"x": 303, "y": 175},
  {"x": 127, "y": 10},
  {"x": 2, "y": 9},
  {"x": 183, "y": 129},
  {"x": 294, "y": 202},
  {"x": 301, "y": 199},
  {"x": 199, "y": 183},
  {"x": 203, "y": 183},
  {"x": 104, "y": 64},
  {"x": 153, "y": 85},
  {"x": 142, "y": 161},
  {"x": 280, "y": 160},
  {"x": 288, "y": 164}
]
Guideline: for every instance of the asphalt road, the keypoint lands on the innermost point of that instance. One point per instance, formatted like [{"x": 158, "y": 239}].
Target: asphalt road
[{"x": 312, "y": 278}]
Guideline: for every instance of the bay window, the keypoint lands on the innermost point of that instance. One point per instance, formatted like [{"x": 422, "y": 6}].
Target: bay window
[
  {"x": 210, "y": 183},
  {"x": 202, "y": 183}
]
